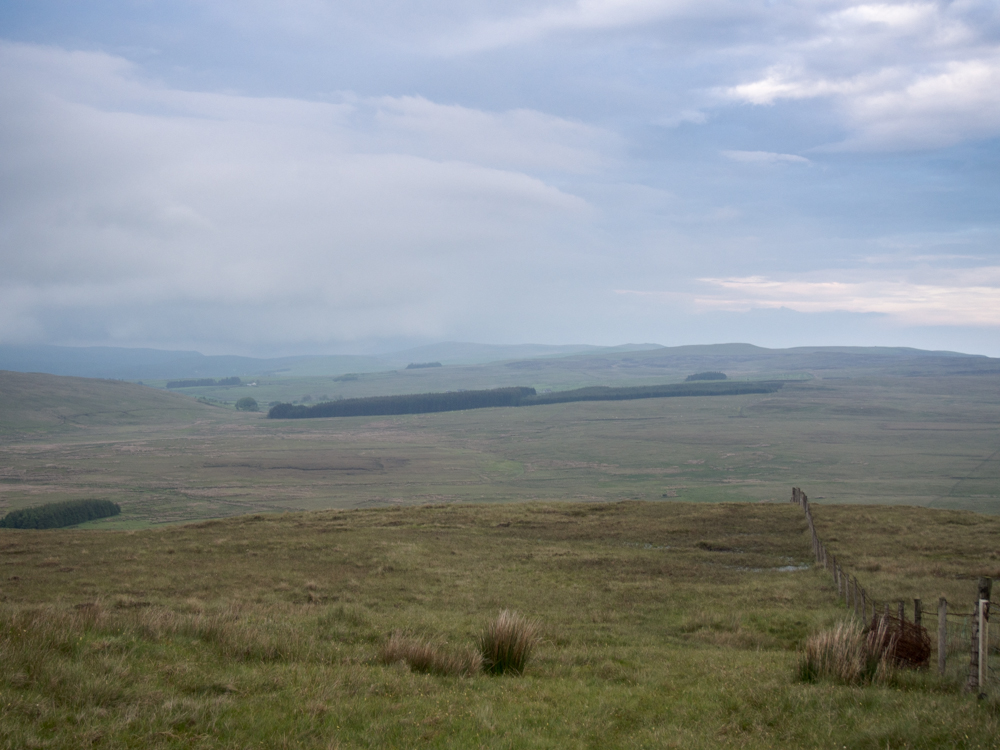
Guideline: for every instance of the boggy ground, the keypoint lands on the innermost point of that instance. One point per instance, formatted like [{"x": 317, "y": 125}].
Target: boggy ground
[{"x": 664, "y": 625}]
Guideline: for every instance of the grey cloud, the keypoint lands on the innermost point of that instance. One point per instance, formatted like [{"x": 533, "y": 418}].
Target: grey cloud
[{"x": 131, "y": 212}]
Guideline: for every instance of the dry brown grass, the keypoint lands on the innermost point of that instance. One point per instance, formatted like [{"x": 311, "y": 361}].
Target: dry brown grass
[
  {"x": 422, "y": 655},
  {"x": 849, "y": 655}
]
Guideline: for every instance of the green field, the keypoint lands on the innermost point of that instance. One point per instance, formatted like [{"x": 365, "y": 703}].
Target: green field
[
  {"x": 663, "y": 625},
  {"x": 929, "y": 441},
  {"x": 651, "y": 540}
]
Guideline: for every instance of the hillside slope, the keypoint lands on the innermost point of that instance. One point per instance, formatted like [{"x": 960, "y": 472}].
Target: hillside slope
[{"x": 34, "y": 402}]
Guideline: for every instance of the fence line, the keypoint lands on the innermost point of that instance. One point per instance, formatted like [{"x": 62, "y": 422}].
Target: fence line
[{"x": 967, "y": 638}]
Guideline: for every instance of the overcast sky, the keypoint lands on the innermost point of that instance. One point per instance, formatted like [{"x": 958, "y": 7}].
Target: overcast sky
[{"x": 308, "y": 176}]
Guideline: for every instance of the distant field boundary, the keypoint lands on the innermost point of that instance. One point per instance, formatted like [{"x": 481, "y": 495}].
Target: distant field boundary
[
  {"x": 972, "y": 627},
  {"x": 427, "y": 403}
]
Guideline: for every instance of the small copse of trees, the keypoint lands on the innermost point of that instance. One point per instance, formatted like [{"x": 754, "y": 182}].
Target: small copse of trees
[
  {"x": 422, "y": 365},
  {"x": 706, "y": 376},
  {"x": 57, "y": 515},
  {"x": 247, "y": 403}
]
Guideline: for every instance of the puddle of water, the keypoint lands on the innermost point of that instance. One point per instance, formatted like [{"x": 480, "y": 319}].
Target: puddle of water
[{"x": 782, "y": 569}]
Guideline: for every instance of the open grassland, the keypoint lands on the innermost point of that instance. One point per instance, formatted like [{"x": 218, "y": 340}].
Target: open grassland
[
  {"x": 662, "y": 624},
  {"x": 923, "y": 441},
  {"x": 608, "y": 368}
]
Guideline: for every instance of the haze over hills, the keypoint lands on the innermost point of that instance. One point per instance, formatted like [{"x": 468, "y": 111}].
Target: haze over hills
[
  {"x": 157, "y": 364},
  {"x": 854, "y": 426},
  {"x": 153, "y": 364}
]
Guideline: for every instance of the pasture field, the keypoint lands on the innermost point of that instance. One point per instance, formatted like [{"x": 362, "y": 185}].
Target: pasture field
[
  {"x": 924, "y": 441},
  {"x": 243, "y": 596},
  {"x": 654, "y": 366},
  {"x": 664, "y": 624}
]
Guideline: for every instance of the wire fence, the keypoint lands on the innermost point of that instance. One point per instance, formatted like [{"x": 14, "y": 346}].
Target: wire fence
[{"x": 954, "y": 632}]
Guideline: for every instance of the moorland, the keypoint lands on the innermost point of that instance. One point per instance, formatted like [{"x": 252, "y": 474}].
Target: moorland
[{"x": 244, "y": 595}]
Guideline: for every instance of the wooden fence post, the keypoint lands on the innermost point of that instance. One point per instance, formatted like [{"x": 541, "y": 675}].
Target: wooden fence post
[
  {"x": 973, "y": 684},
  {"x": 857, "y": 590},
  {"x": 917, "y": 613},
  {"x": 902, "y": 611},
  {"x": 942, "y": 633},
  {"x": 984, "y": 642}
]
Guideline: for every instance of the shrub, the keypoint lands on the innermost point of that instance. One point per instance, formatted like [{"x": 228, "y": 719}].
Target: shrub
[
  {"x": 506, "y": 643},
  {"x": 849, "y": 655},
  {"x": 247, "y": 403},
  {"x": 423, "y": 656}
]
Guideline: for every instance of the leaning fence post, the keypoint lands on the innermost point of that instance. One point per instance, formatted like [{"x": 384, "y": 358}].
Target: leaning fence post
[
  {"x": 974, "y": 683},
  {"x": 942, "y": 633}
]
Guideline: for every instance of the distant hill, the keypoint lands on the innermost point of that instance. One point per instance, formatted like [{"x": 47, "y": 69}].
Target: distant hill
[
  {"x": 457, "y": 353},
  {"x": 32, "y": 402},
  {"x": 594, "y": 364},
  {"x": 747, "y": 360},
  {"x": 156, "y": 364}
]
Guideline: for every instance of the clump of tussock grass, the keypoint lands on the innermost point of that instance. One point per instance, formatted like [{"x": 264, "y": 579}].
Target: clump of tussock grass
[
  {"x": 849, "y": 655},
  {"x": 424, "y": 656},
  {"x": 506, "y": 643}
]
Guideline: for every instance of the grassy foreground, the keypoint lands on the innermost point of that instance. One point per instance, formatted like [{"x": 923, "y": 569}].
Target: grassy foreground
[{"x": 663, "y": 625}]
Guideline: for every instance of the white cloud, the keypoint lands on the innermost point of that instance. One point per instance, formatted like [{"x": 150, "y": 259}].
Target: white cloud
[
  {"x": 902, "y": 75},
  {"x": 764, "y": 157},
  {"x": 131, "y": 209},
  {"x": 518, "y": 139},
  {"x": 957, "y": 298},
  {"x": 580, "y": 15}
]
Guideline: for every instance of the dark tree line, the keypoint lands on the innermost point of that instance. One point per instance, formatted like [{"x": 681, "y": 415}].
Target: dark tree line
[
  {"x": 202, "y": 382},
  {"x": 57, "y": 515},
  {"x": 422, "y": 365},
  {"x": 605, "y": 393},
  {"x": 706, "y": 376},
  {"x": 417, "y": 403},
  {"x": 424, "y": 403}
]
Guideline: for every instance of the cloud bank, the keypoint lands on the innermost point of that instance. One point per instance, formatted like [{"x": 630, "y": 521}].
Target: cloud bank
[{"x": 270, "y": 177}]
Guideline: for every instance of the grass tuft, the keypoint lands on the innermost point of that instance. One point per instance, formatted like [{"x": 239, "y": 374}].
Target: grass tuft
[
  {"x": 423, "y": 656},
  {"x": 849, "y": 655},
  {"x": 506, "y": 643}
]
